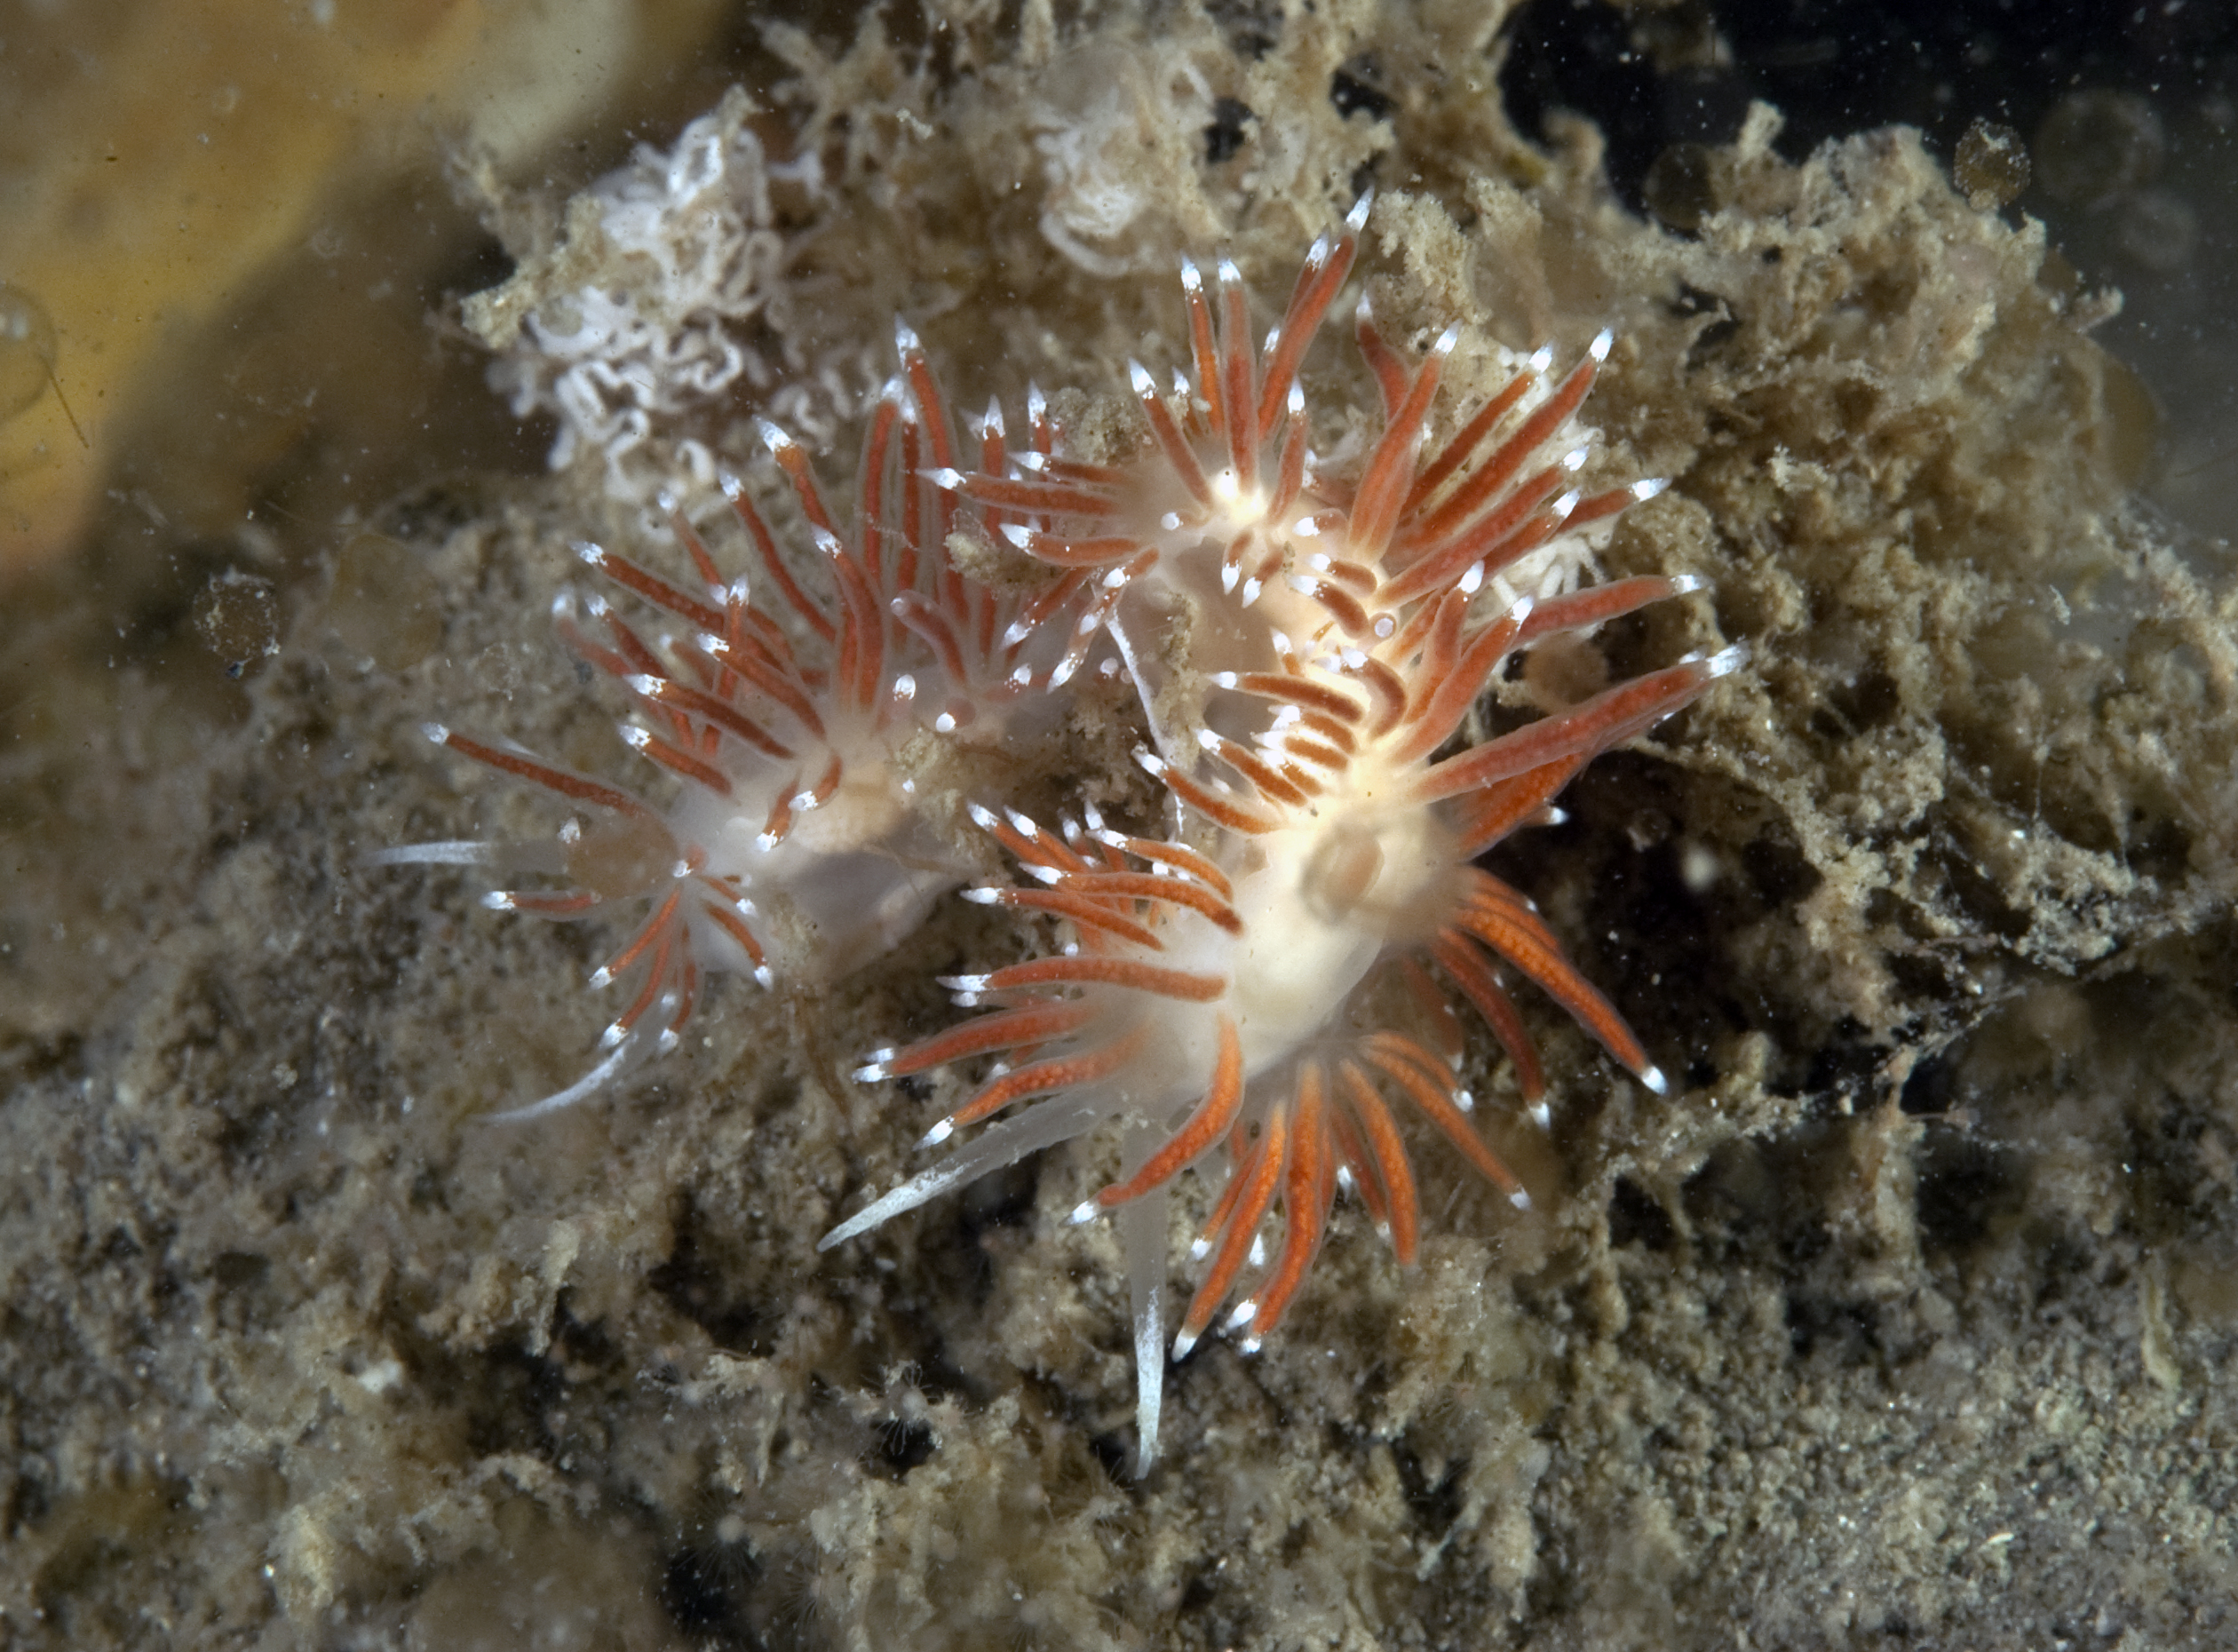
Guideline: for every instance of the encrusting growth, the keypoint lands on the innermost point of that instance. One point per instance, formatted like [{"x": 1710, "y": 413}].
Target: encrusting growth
[{"x": 1269, "y": 995}]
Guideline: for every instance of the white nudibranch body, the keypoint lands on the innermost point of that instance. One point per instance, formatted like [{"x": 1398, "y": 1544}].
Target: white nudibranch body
[{"x": 1265, "y": 988}]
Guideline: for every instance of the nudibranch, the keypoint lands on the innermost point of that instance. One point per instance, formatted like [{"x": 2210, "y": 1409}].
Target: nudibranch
[
  {"x": 1262, "y": 990},
  {"x": 796, "y": 847},
  {"x": 1227, "y": 529}
]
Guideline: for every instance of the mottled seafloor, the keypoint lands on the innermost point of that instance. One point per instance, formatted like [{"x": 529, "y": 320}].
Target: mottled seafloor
[{"x": 1910, "y": 1318}]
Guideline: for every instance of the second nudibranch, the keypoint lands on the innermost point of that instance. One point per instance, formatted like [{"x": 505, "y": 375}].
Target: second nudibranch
[
  {"x": 796, "y": 847},
  {"x": 1262, "y": 987},
  {"x": 1228, "y": 530}
]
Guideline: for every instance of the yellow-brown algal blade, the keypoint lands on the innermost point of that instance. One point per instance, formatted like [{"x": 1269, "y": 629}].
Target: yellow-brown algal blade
[
  {"x": 1214, "y": 1117},
  {"x": 1402, "y": 1214},
  {"x": 1250, "y": 1196}
]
